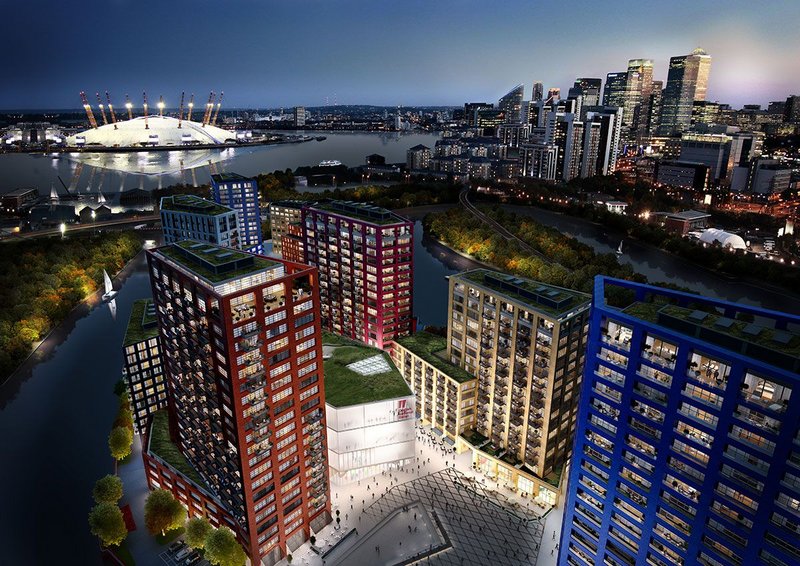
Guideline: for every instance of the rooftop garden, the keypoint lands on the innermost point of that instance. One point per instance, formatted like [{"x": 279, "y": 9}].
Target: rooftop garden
[
  {"x": 161, "y": 445},
  {"x": 429, "y": 347},
  {"x": 136, "y": 331},
  {"x": 478, "y": 276},
  {"x": 353, "y": 212},
  {"x": 247, "y": 263},
  {"x": 194, "y": 204},
  {"x": 345, "y": 387}
]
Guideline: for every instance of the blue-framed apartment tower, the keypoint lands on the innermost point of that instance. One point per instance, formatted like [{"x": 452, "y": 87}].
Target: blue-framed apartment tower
[
  {"x": 241, "y": 194},
  {"x": 687, "y": 449}
]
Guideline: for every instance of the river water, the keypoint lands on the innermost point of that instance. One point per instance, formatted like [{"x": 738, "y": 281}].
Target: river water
[{"x": 111, "y": 173}]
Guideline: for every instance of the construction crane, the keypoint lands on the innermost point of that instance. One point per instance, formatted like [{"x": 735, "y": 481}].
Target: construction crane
[
  {"x": 180, "y": 112},
  {"x": 129, "y": 106},
  {"x": 209, "y": 106},
  {"x": 111, "y": 110},
  {"x": 88, "y": 109},
  {"x": 191, "y": 105},
  {"x": 146, "y": 126},
  {"x": 161, "y": 106},
  {"x": 102, "y": 111},
  {"x": 219, "y": 103}
]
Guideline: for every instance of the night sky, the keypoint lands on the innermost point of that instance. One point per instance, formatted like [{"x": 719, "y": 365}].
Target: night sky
[{"x": 387, "y": 52}]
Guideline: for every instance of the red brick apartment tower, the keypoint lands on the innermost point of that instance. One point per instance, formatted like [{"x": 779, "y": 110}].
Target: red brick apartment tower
[
  {"x": 364, "y": 257},
  {"x": 243, "y": 358}
]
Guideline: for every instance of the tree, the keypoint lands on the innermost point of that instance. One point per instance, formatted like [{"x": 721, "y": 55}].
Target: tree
[
  {"x": 119, "y": 442},
  {"x": 223, "y": 549},
  {"x": 107, "y": 524},
  {"x": 107, "y": 489},
  {"x": 162, "y": 512},
  {"x": 197, "y": 529}
]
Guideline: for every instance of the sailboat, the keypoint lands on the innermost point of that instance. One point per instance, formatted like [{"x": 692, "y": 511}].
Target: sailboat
[
  {"x": 619, "y": 249},
  {"x": 110, "y": 292}
]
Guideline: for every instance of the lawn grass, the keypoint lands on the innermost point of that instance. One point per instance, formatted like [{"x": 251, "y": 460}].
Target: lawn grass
[
  {"x": 345, "y": 387},
  {"x": 427, "y": 346},
  {"x": 161, "y": 445}
]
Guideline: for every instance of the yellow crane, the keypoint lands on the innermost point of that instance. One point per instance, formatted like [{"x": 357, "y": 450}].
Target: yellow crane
[
  {"x": 111, "y": 110},
  {"x": 129, "y": 107},
  {"x": 191, "y": 105},
  {"x": 102, "y": 111},
  {"x": 180, "y": 112},
  {"x": 219, "y": 103},
  {"x": 88, "y": 109}
]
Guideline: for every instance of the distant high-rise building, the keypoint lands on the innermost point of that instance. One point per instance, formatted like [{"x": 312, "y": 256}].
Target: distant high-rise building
[
  {"x": 565, "y": 131},
  {"x": 614, "y": 91},
  {"x": 471, "y": 110},
  {"x": 705, "y": 112},
  {"x": 244, "y": 433},
  {"x": 687, "y": 448},
  {"x": 418, "y": 158},
  {"x": 654, "y": 108},
  {"x": 588, "y": 89},
  {"x": 299, "y": 116},
  {"x": 539, "y": 160},
  {"x": 364, "y": 256},
  {"x": 687, "y": 82},
  {"x": 610, "y": 120},
  {"x": 791, "y": 109},
  {"x": 511, "y": 104},
  {"x": 537, "y": 93},
  {"x": 524, "y": 341},
  {"x": 638, "y": 88},
  {"x": 553, "y": 95},
  {"x": 189, "y": 217},
  {"x": 241, "y": 194}
]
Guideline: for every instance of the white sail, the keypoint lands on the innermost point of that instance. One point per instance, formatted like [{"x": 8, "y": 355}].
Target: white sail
[
  {"x": 107, "y": 280},
  {"x": 619, "y": 250}
]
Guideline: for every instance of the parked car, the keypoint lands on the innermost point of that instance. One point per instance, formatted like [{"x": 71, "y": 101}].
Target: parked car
[{"x": 177, "y": 545}]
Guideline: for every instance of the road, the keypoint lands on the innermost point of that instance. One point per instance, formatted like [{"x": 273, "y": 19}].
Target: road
[{"x": 84, "y": 227}]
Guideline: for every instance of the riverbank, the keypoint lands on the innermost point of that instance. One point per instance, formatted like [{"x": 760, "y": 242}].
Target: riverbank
[{"x": 59, "y": 333}]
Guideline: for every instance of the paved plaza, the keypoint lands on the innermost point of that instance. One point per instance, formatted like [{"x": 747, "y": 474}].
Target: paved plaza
[{"x": 483, "y": 522}]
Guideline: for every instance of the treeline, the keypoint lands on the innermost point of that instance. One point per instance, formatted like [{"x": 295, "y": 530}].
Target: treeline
[
  {"x": 574, "y": 265},
  {"x": 279, "y": 185},
  {"x": 42, "y": 279}
]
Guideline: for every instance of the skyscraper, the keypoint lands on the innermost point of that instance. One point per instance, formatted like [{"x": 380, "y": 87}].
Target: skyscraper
[
  {"x": 614, "y": 91},
  {"x": 688, "y": 442},
  {"x": 241, "y": 194},
  {"x": 363, "y": 253},
  {"x": 638, "y": 88},
  {"x": 589, "y": 89},
  {"x": 242, "y": 350},
  {"x": 524, "y": 341},
  {"x": 687, "y": 82},
  {"x": 537, "y": 93},
  {"x": 511, "y": 104},
  {"x": 299, "y": 116}
]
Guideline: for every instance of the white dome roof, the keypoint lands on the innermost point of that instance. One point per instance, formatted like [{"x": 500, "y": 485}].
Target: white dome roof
[
  {"x": 133, "y": 133},
  {"x": 725, "y": 239}
]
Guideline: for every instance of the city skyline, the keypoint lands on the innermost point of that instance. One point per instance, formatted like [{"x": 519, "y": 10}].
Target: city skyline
[{"x": 319, "y": 54}]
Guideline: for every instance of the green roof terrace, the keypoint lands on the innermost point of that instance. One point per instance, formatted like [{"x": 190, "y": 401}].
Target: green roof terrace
[
  {"x": 193, "y": 204},
  {"x": 142, "y": 324},
  {"x": 431, "y": 348},
  {"x": 213, "y": 263},
  {"x": 361, "y": 211},
  {"x": 161, "y": 445},
  {"x": 548, "y": 299},
  {"x": 357, "y": 374}
]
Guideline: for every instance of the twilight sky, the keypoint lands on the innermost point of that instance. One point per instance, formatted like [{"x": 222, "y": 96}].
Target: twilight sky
[{"x": 266, "y": 53}]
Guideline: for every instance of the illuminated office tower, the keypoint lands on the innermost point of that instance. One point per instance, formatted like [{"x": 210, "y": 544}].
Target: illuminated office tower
[
  {"x": 614, "y": 91},
  {"x": 687, "y": 82},
  {"x": 537, "y": 93},
  {"x": 587, "y": 88},
  {"x": 638, "y": 88},
  {"x": 688, "y": 443},
  {"x": 243, "y": 438},
  {"x": 525, "y": 342},
  {"x": 511, "y": 104}
]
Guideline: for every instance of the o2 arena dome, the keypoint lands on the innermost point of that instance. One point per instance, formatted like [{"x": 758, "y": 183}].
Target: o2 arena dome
[{"x": 153, "y": 130}]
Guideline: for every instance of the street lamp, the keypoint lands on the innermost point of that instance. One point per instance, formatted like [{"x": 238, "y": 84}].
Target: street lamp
[
  {"x": 63, "y": 229},
  {"x": 94, "y": 215}
]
